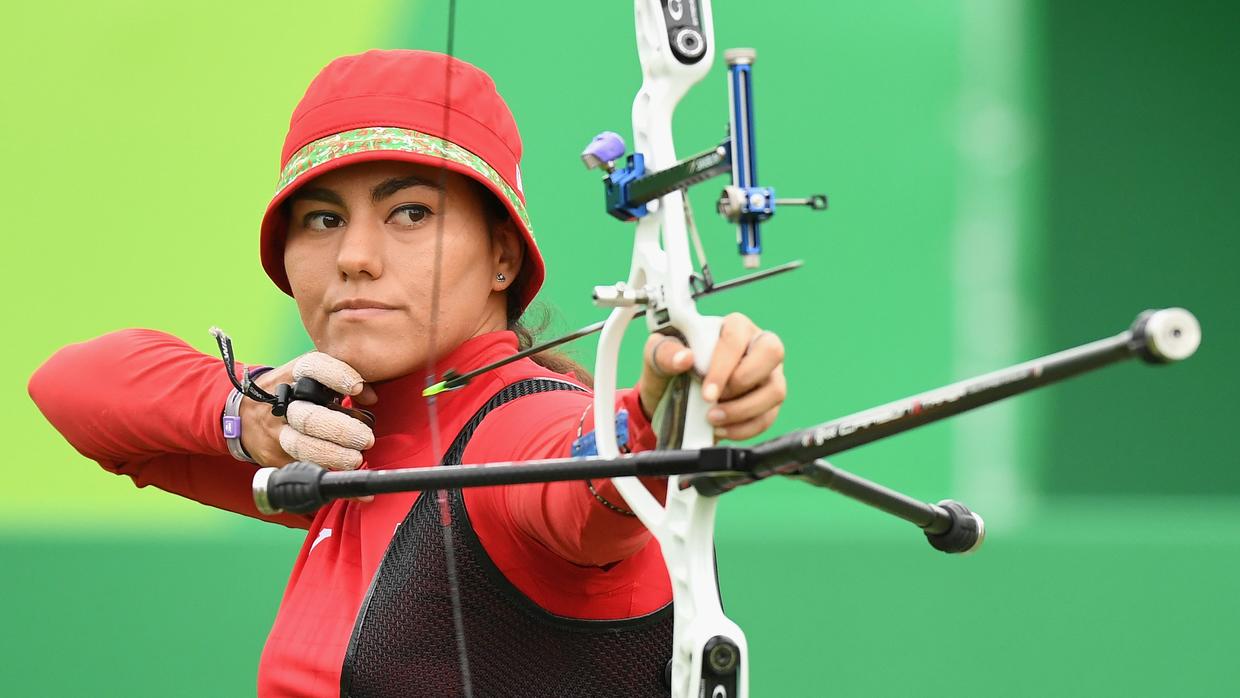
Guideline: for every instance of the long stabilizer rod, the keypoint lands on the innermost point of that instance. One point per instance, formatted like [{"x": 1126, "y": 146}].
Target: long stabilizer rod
[{"x": 1157, "y": 337}]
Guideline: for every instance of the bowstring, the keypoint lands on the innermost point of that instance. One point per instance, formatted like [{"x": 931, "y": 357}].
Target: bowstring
[{"x": 441, "y": 496}]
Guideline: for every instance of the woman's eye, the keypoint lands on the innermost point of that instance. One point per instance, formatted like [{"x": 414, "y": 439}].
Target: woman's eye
[
  {"x": 412, "y": 214},
  {"x": 323, "y": 220}
]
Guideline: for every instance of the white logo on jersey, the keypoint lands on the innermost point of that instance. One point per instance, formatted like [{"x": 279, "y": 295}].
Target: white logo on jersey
[{"x": 324, "y": 534}]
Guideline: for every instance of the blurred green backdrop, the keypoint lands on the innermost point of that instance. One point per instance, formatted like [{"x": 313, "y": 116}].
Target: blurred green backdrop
[{"x": 1007, "y": 178}]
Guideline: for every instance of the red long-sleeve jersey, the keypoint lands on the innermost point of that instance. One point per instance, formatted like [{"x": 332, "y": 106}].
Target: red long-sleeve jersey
[{"x": 146, "y": 405}]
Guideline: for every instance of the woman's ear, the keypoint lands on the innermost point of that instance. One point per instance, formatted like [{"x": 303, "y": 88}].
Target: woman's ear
[{"x": 507, "y": 251}]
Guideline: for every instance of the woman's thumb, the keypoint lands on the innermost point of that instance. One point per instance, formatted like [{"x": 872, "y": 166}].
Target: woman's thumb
[{"x": 665, "y": 358}]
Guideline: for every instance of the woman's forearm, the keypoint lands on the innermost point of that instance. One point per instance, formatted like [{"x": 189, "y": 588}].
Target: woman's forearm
[
  {"x": 565, "y": 517},
  {"x": 132, "y": 395},
  {"x": 147, "y": 405}
]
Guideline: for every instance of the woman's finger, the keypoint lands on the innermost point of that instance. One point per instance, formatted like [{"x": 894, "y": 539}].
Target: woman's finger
[
  {"x": 764, "y": 353},
  {"x": 757, "y": 401},
  {"x": 329, "y": 371},
  {"x": 749, "y": 428},
  {"x": 329, "y": 425},
  {"x": 325, "y": 453},
  {"x": 367, "y": 397},
  {"x": 734, "y": 338}
]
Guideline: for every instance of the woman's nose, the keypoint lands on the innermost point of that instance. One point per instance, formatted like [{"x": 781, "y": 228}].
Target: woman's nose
[{"x": 361, "y": 250}]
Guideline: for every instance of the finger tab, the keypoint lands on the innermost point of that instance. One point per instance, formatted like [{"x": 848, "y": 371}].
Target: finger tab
[{"x": 329, "y": 371}]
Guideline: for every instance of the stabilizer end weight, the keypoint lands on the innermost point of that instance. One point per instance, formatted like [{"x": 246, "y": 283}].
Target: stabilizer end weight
[
  {"x": 1167, "y": 335},
  {"x": 966, "y": 533}
]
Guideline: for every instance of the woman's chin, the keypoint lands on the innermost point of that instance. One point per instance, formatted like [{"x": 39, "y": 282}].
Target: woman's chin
[{"x": 376, "y": 359}]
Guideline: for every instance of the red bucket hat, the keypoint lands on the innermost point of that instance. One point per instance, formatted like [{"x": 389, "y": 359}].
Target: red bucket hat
[{"x": 412, "y": 106}]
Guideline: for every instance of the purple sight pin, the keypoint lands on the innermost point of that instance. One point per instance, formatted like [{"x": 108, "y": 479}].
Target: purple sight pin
[{"x": 606, "y": 147}]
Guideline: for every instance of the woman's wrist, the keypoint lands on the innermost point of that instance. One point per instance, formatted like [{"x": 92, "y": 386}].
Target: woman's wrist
[{"x": 231, "y": 421}]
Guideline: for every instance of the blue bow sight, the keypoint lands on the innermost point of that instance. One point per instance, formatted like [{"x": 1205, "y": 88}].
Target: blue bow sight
[{"x": 628, "y": 189}]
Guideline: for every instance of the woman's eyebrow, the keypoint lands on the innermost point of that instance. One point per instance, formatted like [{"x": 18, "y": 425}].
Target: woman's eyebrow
[
  {"x": 317, "y": 194},
  {"x": 388, "y": 187},
  {"x": 381, "y": 191}
]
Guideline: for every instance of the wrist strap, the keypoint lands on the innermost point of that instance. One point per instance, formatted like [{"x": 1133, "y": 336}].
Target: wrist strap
[{"x": 230, "y": 421}]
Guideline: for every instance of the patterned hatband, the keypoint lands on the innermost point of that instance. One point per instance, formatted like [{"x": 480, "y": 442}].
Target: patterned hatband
[{"x": 380, "y": 138}]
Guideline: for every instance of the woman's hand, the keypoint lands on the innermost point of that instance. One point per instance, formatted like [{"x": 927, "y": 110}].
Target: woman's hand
[
  {"x": 745, "y": 379},
  {"x": 308, "y": 432}
]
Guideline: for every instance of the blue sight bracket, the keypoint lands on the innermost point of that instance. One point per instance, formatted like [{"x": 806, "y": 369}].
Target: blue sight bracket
[{"x": 629, "y": 188}]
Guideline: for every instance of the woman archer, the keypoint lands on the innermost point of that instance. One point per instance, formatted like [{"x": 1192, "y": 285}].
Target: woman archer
[{"x": 399, "y": 227}]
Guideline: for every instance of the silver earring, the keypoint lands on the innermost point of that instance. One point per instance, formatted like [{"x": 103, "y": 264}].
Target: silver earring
[{"x": 500, "y": 277}]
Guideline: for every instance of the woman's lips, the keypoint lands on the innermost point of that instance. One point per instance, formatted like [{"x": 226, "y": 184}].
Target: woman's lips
[
  {"x": 360, "y": 309},
  {"x": 361, "y": 313}
]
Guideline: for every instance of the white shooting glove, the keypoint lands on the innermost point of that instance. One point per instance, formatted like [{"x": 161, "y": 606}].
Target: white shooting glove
[{"x": 320, "y": 435}]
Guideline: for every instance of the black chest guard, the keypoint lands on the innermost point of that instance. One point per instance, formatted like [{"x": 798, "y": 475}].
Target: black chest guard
[{"x": 405, "y": 641}]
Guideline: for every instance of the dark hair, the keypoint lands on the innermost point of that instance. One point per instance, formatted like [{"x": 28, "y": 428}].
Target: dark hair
[{"x": 527, "y": 335}]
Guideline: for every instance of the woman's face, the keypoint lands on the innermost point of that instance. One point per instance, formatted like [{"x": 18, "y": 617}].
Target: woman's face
[{"x": 361, "y": 259}]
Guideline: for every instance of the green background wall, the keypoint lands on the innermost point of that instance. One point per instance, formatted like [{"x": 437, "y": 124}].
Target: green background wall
[
  {"x": 1142, "y": 207},
  {"x": 1006, "y": 178}
]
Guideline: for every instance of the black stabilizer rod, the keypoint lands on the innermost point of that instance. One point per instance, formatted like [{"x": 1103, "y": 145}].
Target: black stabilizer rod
[
  {"x": 1161, "y": 336},
  {"x": 303, "y": 487},
  {"x": 1156, "y": 337},
  {"x": 949, "y": 526}
]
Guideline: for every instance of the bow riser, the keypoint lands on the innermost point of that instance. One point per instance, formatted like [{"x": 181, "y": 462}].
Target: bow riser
[{"x": 709, "y": 650}]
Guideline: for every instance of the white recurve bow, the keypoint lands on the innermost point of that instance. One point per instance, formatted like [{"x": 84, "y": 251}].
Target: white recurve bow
[{"x": 661, "y": 274}]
